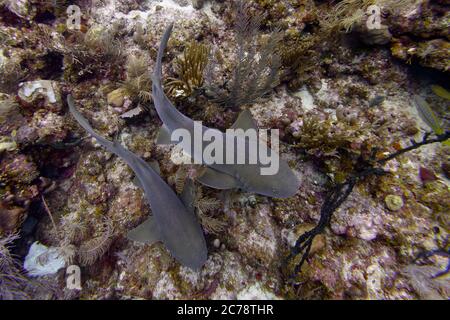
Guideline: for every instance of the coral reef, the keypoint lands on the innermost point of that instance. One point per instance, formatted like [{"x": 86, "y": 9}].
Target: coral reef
[{"x": 355, "y": 108}]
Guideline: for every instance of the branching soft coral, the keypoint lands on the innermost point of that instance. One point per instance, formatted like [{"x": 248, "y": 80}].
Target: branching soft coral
[
  {"x": 190, "y": 70},
  {"x": 258, "y": 62}
]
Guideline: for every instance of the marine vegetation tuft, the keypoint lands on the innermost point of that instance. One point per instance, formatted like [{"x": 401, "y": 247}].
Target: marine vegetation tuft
[
  {"x": 347, "y": 13},
  {"x": 190, "y": 70},
  {"x": 138, "y": 84},
  {"x": 12, "y": 281},
  {"x": 205, "y": 207},
  {"x": 258, "y": 62},
  {"x": 90, "y": 251},
  {"x": 99, "y": 51}
]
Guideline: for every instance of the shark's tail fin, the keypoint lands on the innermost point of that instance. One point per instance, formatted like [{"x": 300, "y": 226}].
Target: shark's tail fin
[
  {"x": 85, "y": 124},
  {"x": 157, "y": 73}
]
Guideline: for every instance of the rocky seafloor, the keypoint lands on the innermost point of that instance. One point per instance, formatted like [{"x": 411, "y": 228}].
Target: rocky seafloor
[{"x": 342, "y": 93}]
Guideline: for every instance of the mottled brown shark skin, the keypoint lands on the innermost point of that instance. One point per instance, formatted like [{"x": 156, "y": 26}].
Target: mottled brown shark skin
[
  {"x": 171, "y": 222},
  {"x": 247, "y": 177}
]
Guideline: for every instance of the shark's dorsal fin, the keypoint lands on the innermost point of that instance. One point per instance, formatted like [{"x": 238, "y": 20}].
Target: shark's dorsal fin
[
  {"x": 147, "y": 232},
  {"x": 218, "y": 180},
  {"x": 245, "y": 121},
  {"x": 163, "y": 136}
]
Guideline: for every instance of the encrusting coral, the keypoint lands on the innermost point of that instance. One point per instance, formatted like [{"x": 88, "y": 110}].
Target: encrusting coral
[{"x": 363, "y": 122}]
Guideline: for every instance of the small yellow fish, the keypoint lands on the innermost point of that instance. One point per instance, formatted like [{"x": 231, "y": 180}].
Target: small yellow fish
[
  {"x": 427, "y": 115},
  {"x": 440, "y": 91}
]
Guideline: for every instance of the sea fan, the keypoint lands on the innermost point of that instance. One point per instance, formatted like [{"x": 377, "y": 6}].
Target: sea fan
[{"x": 257, "y": 67}]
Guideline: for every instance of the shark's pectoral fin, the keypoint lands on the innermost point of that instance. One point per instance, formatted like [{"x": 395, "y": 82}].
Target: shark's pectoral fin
[
  {"x": 164, "y": 136},
  {"x": 245, "y": 121},
  {"x": 147, "y": 232},
  {"x": 218, "y": 180}
]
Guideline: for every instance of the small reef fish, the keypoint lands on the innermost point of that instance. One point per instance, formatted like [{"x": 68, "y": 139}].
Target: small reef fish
[
  {"x": 247, "y": 176},
  {"x": 378, "y": 100},
  {"x": 429, "y": 117},
  {"x": 440, "y": 91},
  {"x": 173, "y": 222},
  {"x": 427, "y": 114}
]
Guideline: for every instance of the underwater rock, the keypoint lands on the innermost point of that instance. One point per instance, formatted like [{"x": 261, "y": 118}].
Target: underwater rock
[
  {"x": 11, "y": 217},
  {"x": 197, "y": 4},
  {"x": 425, "y": 284},
  {"x": 432, "y": 53},
  {"x": 256, "y": 292},
  {"x": 379, "y": 36},
  {"x": 366, "y": 252},
  {"x": 393, "y": 202},
  {"x": 7, "y": 144},
  {"x": 255, "y": 235},
  {"x": 42, "y": 260},
  {"x": 116, "y": 98},
  {"x": 45, "y": 128},
  {"x": 22, "y": 8},
  {"x": 9, "y": 115},
  {"x": 359, "y": 270},
  {"x": 17, "y": 175},
  {"x": 33, "y": 91},
  {"x": 360, "y": 217},
  {"x": 223, "y": 276},
  {"x": 446, "y": 169},
  {"x": 421, "y": 34},
  {"x": 426, "y": 175},
  {"x": 346, "y": 114},
  {"x": 18, "y": 169}
]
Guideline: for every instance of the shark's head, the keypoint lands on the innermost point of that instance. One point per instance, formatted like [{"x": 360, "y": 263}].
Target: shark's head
[{"x": 283, "y": 184}]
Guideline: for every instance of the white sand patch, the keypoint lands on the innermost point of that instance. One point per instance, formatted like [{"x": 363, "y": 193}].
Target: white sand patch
[{"x": 306, "y": 97}]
